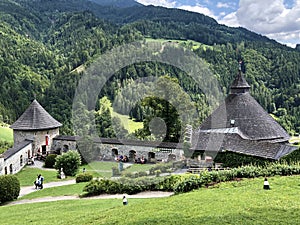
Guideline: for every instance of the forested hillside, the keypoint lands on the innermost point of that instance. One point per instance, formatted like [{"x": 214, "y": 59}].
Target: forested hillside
[{"x": 46, "y": 44}]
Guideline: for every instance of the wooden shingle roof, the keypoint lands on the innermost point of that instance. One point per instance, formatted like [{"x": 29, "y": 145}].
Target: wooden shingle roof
[
  {"x": 241, "y": 125},
  {"x": 35, "y": 117},
  {"x": 241, "y": 110},
  {"x": 11, "y": 151},
  {"x": 115, "y": 141},
  {"x": 219, "y": 141}
]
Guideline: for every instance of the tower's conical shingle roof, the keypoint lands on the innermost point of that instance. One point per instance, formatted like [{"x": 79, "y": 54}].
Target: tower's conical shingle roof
[
  {"x": 35, "y": 118},
  {"x": 241, "y": 110},
  {"x": 241, "y": 125}
]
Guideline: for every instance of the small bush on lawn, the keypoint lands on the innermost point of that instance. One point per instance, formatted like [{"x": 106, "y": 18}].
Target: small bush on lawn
[
  {"x": 84, "y": 177},
  {"x": 9, "y": 188},
  {"x": 69, "y": 162},
  {"x": 50, "y": 161}
]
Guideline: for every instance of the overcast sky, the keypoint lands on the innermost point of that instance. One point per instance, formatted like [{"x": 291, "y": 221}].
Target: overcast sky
[{"x": 277, "y": 19}]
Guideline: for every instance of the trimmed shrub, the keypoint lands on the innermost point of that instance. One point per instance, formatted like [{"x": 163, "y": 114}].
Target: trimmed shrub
[
  {"x": 95, "y": 187},
  {"x": 168, "y": 184},
  {"x": 9, "y": 188},
  {"x": 103, "y": 186},
  {"x": 69, "y": 162},
  {"x": 293, "y": 157},
  {"x": 188, "y": 183},
  {"x": 234, "y": 160},
  {"x": 50, "y": 161},
  {"x": 84, "y": 177}
]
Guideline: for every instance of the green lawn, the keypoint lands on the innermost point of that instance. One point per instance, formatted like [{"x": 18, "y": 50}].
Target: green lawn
[
  {"x": 100, "y": 168},
  {"x": 28, "y": 175},
  {"x": 139, "y": 167},
  {"x": 67, "y": 190},
  {"x": 242, "y": 202}
]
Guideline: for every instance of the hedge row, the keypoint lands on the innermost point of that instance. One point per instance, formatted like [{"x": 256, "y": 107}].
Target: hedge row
[
  {"x": 155, "y": 170},
  {"x": 233, "y": 159},
  {"x": 191, "y": 182},
  {"x": 186, "y": 182}
]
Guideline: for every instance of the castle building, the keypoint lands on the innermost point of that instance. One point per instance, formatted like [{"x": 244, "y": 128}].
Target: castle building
[
  {"x": 241, "y": 125},
  {"x": 33, "y": 134},
  {"x": 36, "y": 133}
]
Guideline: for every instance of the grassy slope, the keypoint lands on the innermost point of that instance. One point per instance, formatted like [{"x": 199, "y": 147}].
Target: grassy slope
[
  {"x": 229, "y": 203},
  {"x": 129, "y": 124},
  {"x": 6, "y": 134}
]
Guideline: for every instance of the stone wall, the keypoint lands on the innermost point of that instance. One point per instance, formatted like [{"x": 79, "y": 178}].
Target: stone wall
[
  {"x": 16, "y": 162},
  {"x": 109, "y": 151},
  {"x": 38, "y": 137}
]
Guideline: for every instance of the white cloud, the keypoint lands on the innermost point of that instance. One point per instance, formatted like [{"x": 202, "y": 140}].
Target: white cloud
[
  {"x": 230, "y": 20},
  {"x": 199, "y": 9},
  {"x": 164, "y": 3},
  {"x": 268, "y": 16},
  {"x": 223, "y": 5},
  {"x": 288, "y": 38}
]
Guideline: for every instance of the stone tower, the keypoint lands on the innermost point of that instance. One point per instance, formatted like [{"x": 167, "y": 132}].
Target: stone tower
[{"x": 37, "y": 125}]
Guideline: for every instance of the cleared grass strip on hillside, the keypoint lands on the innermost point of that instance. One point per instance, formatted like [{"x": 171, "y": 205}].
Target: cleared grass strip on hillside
[
  {"x": 128, "y": 124},
  {"x": 6, "y": 134}
]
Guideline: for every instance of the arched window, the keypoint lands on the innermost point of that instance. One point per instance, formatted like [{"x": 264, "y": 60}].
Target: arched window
[
  {"x": 65, "y": 148},
  {"x": 171, "y": 157},
  {"x": 114, "y": 152},
  {"x": 151, "y": 155},
  {"x": 132, "y": 155},
  {"x": 10, "y": 168},
  {"x": 5, "y": 170},
  {"x": 21, "y": 160}
]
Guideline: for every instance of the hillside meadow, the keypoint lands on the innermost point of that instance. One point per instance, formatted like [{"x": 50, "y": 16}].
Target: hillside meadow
[
  {"x": 6, "y": 134},
  {"x": 239, "y": 202}
]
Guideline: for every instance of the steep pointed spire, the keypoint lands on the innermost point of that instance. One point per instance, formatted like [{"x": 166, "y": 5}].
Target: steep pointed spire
[{"x": 240, "y": 84}]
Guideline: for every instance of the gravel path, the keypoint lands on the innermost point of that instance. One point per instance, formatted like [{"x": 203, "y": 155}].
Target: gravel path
[{"x": 147, "y": 194}]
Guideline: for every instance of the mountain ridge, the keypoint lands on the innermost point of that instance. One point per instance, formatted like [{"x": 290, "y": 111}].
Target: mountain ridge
[{"x": 42, "y": 41}]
